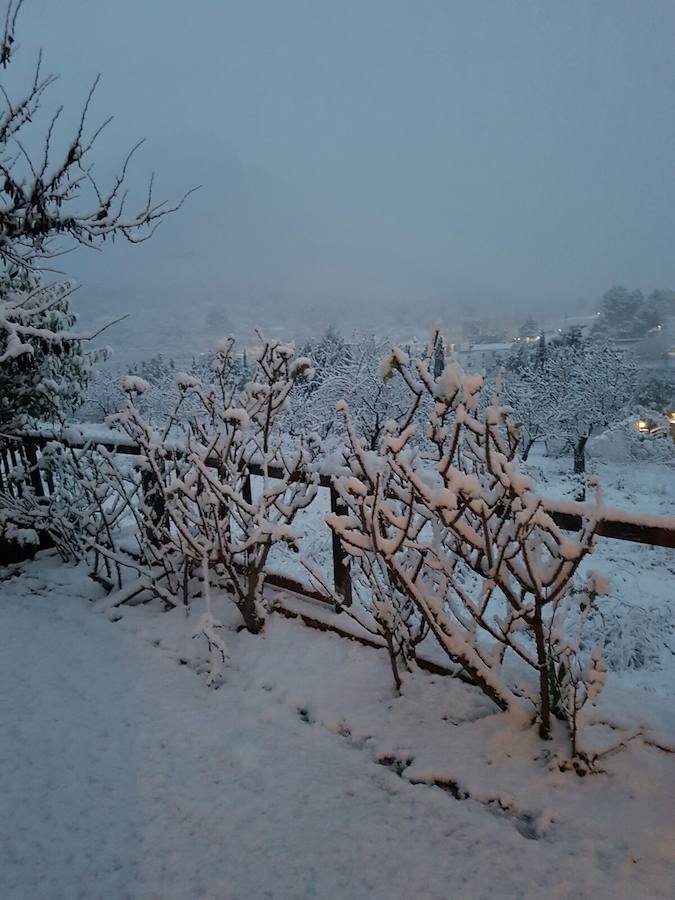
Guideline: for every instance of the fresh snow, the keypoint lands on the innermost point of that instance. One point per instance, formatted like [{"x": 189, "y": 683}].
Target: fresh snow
[{"x": 303, "y": 775}]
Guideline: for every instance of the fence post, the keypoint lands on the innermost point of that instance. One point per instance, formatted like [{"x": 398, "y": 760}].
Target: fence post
[
  {"x": 16, "y": 462},
  {"x": 341, "y": 576},
  {"x": 4, "y": 470},
  {"x": 246, "y": 490},
  {"x": 33, "y": 468}
]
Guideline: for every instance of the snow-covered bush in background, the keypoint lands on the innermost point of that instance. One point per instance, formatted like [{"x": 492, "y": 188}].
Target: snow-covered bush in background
[
  {"x": 104, "y": 396},
  {"x": 464, "y": 538},
  {"x": 656, "y": 388},
  {"x": 632, "y": 637},
  {"x": 350, "y": 372},
  {"x": 624, "y": 444},
  {"x": 198, "y": 506},
  {"x": 85, "y": 508}
]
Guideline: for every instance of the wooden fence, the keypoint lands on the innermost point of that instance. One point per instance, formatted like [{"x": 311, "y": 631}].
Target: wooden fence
[{"x": 658, "y": 531}]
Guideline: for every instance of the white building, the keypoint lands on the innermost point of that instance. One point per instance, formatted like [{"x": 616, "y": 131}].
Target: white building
[{"x": 483, "y": 357}]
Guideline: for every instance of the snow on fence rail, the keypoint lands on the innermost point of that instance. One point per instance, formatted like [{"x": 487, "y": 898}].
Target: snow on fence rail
[{"x": 21, "y": 452}]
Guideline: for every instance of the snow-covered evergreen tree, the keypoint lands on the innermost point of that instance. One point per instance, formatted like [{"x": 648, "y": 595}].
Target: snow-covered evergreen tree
[{"x": 44, "y": 366}]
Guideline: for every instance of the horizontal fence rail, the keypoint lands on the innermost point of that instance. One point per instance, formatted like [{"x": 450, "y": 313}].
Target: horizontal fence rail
[
  {"x": 659, "y": 531},
  {"x": 22, "y": 451}
]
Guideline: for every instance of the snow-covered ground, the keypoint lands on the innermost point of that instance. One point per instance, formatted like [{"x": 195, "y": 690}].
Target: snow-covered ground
[
  {"x": 303, "y": 775},
  {"x": 644, "y": 485}
]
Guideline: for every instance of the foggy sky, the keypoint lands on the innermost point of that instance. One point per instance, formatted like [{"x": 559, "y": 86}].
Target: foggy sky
[{"x": 463, "y": 153}]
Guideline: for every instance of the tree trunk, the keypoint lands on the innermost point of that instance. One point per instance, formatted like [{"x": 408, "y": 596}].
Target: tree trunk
[
  {"x": 248, "y": 606},
  {"x": 526, "y": 450},
  {"x": 392, "y": 659},
  {"x": 580, "y": 456}
]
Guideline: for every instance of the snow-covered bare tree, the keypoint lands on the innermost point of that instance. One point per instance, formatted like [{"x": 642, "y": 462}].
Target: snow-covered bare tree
[
  {"x": 327, "y": 353},
  {"x": 576, "y": 388},
  {"x": 353, "y": 374},
  {"x": 462, "y": 535},
  {"x": 53, "y": 195},
  {"x": 534, "y": 397},
  {"x": 595, "y": 384},
  {"x": 103, "y": 396}
]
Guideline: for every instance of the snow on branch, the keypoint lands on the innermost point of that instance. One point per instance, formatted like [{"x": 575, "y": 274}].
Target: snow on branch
[
  {"x": 201, "y": 504},
  {"x": 52, "y": 195},
  {"x": 445, "y": 531}
]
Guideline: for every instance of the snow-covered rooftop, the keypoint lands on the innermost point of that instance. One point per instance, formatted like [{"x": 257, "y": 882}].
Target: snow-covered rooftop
[{"x": 487, "y": 348}]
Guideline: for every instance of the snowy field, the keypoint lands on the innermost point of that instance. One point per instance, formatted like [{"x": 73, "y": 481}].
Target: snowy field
[{"x": 303, "y": 775}]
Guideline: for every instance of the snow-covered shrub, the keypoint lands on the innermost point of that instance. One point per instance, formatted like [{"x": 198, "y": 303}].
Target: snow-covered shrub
[
  {"x": 12, "y": 533},
  {"x": 577, "y": 670},
  {"x": 462, "y": 535},
  {"x": 44, "y": 366},
  {"x": 624, "y": 444},
  {"x": 632, "y": 637},
  {"x": 378, "y": 606},
  {"x": 198, "y": 507},
  {"x": 90, "y": 491}
]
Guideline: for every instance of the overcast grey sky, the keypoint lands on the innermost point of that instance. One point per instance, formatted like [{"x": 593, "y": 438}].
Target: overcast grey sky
[{"x": 466, "y": 151}]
